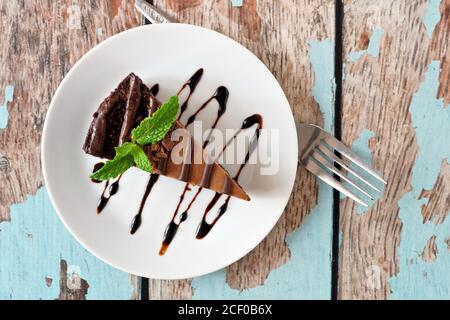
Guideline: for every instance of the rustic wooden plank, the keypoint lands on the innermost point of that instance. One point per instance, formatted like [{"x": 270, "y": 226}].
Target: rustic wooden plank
[
  {"x": 170, "y": 289},
  {"x": 295, "y": 40},
  {"x": 40, "y": 41},
  {"x": 436, "y": 209},
  {"x": 396, "y": 88}
]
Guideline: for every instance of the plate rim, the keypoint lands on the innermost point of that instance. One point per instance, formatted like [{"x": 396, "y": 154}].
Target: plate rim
[{"x": 44, "y": 146}]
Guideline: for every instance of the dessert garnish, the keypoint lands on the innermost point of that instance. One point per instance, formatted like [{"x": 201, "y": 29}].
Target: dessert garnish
[{"x": 151, "y": 130}]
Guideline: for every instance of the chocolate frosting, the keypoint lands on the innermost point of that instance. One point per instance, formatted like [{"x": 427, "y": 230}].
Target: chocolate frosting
[{"x": 134, "y": 97}]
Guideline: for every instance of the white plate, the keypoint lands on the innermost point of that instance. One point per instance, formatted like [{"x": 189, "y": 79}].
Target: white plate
[{"x": 167, "y": 54}]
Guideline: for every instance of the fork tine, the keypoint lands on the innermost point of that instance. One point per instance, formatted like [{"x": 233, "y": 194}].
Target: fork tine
[
  {"x": 339, "y": 146},
  {"x": 333, "y": 157},
  {"x": 328, "y": 178},
  {"x": 338, "y": 172}
]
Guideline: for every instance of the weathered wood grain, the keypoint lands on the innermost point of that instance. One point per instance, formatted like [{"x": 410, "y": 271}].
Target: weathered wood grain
[
  {"x": 447, "y": 241},
  {"x": 170, "y": 289},
  {"x": 65, "y": 291},
  {"x": 439, "y": 50},
  {"x": 437, "y": 208},
  {"x": 389, "y": 49},
  {"x": 37, "y": 51},
  {"x": 389, "y": 91},
  {"x": 40, "y": 42},
  {"x": 430, "y": 251},
  {"x": 279, "y": 34}
]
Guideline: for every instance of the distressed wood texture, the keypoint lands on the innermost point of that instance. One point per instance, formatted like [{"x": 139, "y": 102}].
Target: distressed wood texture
[
  {"x": 280, "y": 35},
  {"x": 395, "y": 112},
  {"x": 40, "y": 42},
  {"x": 396, "y": 87}
]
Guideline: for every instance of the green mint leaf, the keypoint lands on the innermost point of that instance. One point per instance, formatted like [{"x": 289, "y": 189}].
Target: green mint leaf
[
  {"x": 125, "y": 149},
  {"x": 113, "y": 168},
  {"x": 153, "y": 129},
  {"x": 141, "y": 160},
  {"x": 126, "y": 155}
]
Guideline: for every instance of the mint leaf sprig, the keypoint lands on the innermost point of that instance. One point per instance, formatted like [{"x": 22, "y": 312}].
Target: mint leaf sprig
[{"x": 151, "y": 130}]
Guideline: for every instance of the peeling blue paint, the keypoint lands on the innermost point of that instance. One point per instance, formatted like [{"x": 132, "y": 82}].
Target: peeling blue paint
[
  {"x": 355, "y": 56},
  {"x": 99, "y": 32},
  {"x": 373, "y": 48},
  {"x": 361, "y": 146},
  {"x": 322, "y": 62},
  {"x": 431, "y": 120},
  {"x": 307, "y": 275},
  {"x": 27, "y": 261},
  {"x": 374, "y": 44},
  {"x": 432, "y": 16},
  {"x": 237, "y": 3},
  {"x": 9, "y": 95}
]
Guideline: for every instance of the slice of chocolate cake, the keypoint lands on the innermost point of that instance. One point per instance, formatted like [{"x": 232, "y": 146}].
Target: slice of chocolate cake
[
  {"x": 123, "y": 110},
  {"x": 116, "y": 117}
]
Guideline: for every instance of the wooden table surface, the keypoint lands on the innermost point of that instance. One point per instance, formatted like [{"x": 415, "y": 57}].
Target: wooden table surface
[{"x": 376, "y": 72}]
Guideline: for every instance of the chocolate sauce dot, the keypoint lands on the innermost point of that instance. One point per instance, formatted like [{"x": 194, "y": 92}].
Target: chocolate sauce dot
[
  {"x": 114, "y": 188},
  {"x": 97, "y": 167},
  {"x": 137, "y": 220},
  {"x": 136, "y": 223},
  {"x": 203, "y": 229},
  {"x": 221, "y": 96},
  {"x": 252, "y": 120},
  {"x": 183, "y": 217},
  {"x": 190, "y": 120},
  {"x": 155, "y": 89},
  {"x": 102, "y": 204}
]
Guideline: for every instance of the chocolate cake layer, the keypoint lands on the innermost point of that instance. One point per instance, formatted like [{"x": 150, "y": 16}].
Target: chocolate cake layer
[{"x": 117, "y": 116}]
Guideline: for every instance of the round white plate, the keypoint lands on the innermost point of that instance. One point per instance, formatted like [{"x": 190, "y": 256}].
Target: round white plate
[{"x": 167, "y": 54}]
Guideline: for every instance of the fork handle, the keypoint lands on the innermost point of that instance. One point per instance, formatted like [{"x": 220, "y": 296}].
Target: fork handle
[{"x": 151, "y": 12}]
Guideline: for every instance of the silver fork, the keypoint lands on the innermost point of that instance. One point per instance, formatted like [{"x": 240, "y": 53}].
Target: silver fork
[
  {"x": 317, "y": 154},
  {"x": 314, "y": 154},
  {"x": 153, "y": 14}
]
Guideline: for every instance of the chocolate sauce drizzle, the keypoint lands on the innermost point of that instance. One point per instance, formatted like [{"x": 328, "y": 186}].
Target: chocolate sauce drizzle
[
  {"x": 204, "y": 227},
  {"x": 104, "y": 199},
  {"x": 192, "y": 84},
  {"x": 155, "y": 89},
  {"x": 172, "y": 227},
  {"x": 137, "y": 220},
  {"x": 221, "y": 96}
]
